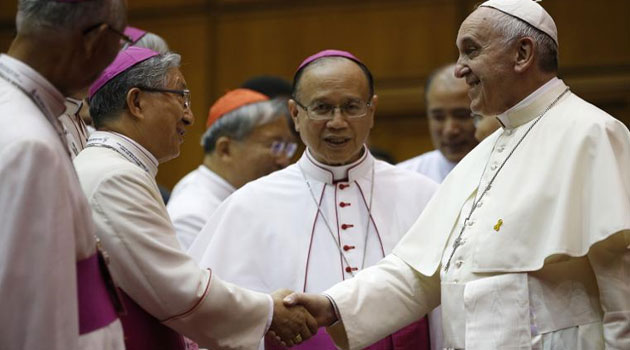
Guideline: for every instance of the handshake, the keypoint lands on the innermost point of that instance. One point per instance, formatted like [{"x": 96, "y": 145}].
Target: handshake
[{"x": 296, "y": 316}]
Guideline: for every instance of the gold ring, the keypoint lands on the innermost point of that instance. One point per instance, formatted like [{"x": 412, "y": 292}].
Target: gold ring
[{"x": 298, "y": 339}]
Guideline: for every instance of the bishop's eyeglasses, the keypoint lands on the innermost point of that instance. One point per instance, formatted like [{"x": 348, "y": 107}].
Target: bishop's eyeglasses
[
  {"x": 185, "y": 93},
  {"x": 321, "y": 111}
]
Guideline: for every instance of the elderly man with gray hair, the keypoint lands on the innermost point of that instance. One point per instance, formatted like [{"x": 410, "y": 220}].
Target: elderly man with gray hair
[
  {"x": 53, "y": 285},
  {"x": 141, "y": 109},
  {"x": 248, "y": 137}
]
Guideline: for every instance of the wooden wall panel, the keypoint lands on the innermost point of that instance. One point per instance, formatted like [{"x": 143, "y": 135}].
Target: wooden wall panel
[
  {"x": 8, "y": 8},
  {"x": 397, "y": 41}
]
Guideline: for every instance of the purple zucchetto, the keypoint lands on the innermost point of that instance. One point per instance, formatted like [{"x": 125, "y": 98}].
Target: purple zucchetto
[
  {"x": 328, "y": 53},
  {"x": 135, "y": 34},
  {"x": 126, "y": 59}
]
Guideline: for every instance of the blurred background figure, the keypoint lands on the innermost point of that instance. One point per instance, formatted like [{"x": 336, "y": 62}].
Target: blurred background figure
[
  {"x": 450, "y": 125},
  {"x": 269, "y": 85},
  {"x": 142, "y": 38},
  {"x": 247, "y": 137}
]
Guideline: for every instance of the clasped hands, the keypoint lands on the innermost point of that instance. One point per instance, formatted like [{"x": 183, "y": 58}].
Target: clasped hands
[{"x": 297, "y": 316}]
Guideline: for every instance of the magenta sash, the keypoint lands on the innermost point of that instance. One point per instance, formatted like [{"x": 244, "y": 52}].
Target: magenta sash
[
  {"x": 96, "y": 309},
  {"x": 413, "y": 337},
  {"x": 145, "y": 332}
]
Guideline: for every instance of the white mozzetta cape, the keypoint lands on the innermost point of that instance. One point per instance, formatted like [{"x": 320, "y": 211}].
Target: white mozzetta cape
[
  {"x": 147, "y": 262},
  {"x": 557, "y": 267},
  {"x": 565, "y": 188}
]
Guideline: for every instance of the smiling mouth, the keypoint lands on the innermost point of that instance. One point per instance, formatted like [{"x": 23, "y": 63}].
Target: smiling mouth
[{"x": 337, "y": 141}]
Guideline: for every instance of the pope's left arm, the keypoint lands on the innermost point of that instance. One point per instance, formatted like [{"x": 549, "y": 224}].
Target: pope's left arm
[{"x": 610, "y": 260}]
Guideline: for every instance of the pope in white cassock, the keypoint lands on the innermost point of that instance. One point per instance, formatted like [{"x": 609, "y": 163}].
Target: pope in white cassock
[
  {"x": 53, "y": 287},
  {"x": 333, "y": 213},
  {"x": 141, "y": 108},
  {"x": 526, "y": 243}
]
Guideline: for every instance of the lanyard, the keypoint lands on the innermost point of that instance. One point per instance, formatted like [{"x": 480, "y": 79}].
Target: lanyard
[
  {"x": 34, "y": 92},
  {"x": 110, "y": 140}
]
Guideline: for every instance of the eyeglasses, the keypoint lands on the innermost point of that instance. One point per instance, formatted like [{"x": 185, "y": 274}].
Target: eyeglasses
[
  {"x": 324, "y": 111},
  {"x": 183, "y": 93},
  {"x": 287, "y": 148},
  {"x": 124, "y": 39}
]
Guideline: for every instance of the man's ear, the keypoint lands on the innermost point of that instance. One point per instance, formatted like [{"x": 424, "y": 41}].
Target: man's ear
[
  {"x": 293, "y": 111},
  {"x": 222, "y": 148},
  {"x": 134, "y": 103},
  {"x": 373, "y": 109},
  {"x": 92, "y": 40},
  {"x": 525, "y": 54}
]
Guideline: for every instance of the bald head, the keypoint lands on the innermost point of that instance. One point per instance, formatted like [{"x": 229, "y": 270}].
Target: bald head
[{"x": 325, "y": 60}]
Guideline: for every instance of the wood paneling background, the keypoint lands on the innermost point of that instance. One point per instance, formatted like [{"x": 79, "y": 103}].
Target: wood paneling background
[{"x": 223, "y": 42}]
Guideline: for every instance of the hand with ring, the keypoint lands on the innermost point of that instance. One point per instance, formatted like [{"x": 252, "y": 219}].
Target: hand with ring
[{"x": 290, "y": 325}]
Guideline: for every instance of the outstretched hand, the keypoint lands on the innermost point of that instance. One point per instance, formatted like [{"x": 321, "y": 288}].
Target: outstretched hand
[
  {"x": 290, "y": 325},
  {"x": 317, "y": 305}
]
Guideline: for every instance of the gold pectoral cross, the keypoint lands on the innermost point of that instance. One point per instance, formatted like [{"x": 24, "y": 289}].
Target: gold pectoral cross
[{"x": 497, "y": 227}]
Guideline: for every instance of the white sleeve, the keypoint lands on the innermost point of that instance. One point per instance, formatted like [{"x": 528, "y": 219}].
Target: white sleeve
[
  {"x": 610, "y": 260},
  {"x": 151, "y": 268},
  {"x": 381, "y": 300}
]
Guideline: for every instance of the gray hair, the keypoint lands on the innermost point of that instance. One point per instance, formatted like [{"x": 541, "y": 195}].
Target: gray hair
[
  {"x": 239, "y": 123},
  {"x": 513, "y": 29},
  {"x": 111, "y": 98},
  {"x": 38, "y": 15},
  {"x": 152, "y": 42}
]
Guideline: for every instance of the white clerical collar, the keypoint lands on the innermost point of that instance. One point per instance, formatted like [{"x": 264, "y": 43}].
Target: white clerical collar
[
  {"x": 128, "y": 148},
  {"x": 47, "y": 98},
  {"x": 533, "y": 105},
  {"x": 218, "y": 180},
  {"x": 331, "y": 174}
]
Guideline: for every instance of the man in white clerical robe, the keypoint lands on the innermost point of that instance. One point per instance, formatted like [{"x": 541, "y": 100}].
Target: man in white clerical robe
[
  {"x": 450, "y": 125},
  {"x": 526, "y": 243},
  {"x": 53, "y": 292},
  {"x": 247, "y": 137},
  {"x": 141, "y": 109},
  {"x": 325, "y": 218}
]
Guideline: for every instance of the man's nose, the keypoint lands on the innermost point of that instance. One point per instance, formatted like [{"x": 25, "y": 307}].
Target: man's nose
[
  {"x": 189, "y": 118},
  {"x": 451, "y": 127},
  {"x": 461, "y": 70},
  {"x": 338, "y": 120}
]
